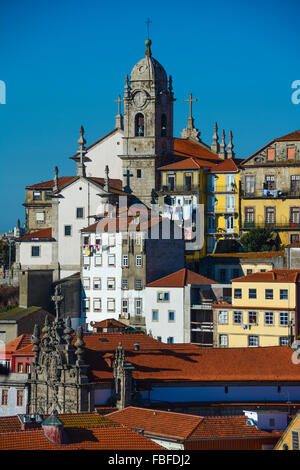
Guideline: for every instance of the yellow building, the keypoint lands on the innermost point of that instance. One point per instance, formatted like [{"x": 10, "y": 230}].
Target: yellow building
[
  {"x": 264, "y": 310},
  {"x": 222, "y": 204},
  {"x": 270, "y": 188},
  {"x": 291, "y": 436}
]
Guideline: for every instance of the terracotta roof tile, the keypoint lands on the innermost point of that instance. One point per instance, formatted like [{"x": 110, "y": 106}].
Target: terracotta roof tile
[
  {"x": 188, "y": 164},
  {"x": 276, "y": 275},
  {"x": 109, "y": 323},
  {"x": 189, "y": 148},
  {"x": 228, "y": 165},
  {"x": 181, "y": 278},
  {"x": 18, "y": 343},
  {"x": 45, "y": 233},
  {"x": 292, "y": 136},
  {"x": 248, "y": 255},
  {"x": 115, "y": 184}
]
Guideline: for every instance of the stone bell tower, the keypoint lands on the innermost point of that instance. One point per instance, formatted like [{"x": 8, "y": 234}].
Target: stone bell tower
[{"x": 148, "y": 126}]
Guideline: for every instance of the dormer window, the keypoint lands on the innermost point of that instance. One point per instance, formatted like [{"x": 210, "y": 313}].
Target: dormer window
[
  {"x": 163, "y": 125},
  {"x": 139, "y": 125}
]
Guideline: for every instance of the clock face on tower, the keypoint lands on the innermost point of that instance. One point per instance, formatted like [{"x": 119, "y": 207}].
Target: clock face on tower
[{"x": 139, "y": 99}]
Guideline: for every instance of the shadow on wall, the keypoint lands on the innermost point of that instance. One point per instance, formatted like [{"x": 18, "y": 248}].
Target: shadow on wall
[{"x": 9, "y": 296}]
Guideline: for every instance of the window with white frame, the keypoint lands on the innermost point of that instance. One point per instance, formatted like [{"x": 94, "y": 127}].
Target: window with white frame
[
  {"x": 252, "y": 340},
  {"x": 138, "y": 306},
  {"x": 111, "y": 260},
  {"x": 125, "y": 261},
  {"x": 40, "y": 217},
  {"x": 138, "y": 260},
  {"x": 124, "y": 283},
  {"x": 283, "y": 319},
  {"x": 163, "y": 297},
  {"x": 37, "y": 195},
  {"x": 171, "y": 316},
  {"x": 124, "y": 306},
  {"x": 284, "y": 341},
  {"x": 86, "y": 304},
  {"x": 111, "y": 283},
  {"x": 111, "y": 240},
  {"x": 98, "y": 260},
  {"x": 111, "y": 305},
  {"x": 79, "y": 212},
  {"x": 138, "y": 284},
  {"x": 237, "y": 318},
  {"x": 97, "y": 305},
  {"x": 35, "y": 251},
  {"x": 252, "y": 317},
  {"x": 284, "y": 295},
  {"x": 269, "y": 318},
  {"x": 86, "y": 282},
  {"x": 223, "y": 341},
  {"x": 97, "y": 283},
  {"x": 86, "y": 260},
  {"x": 170, "y": 340},
  {"x": 223, "y": 317}
]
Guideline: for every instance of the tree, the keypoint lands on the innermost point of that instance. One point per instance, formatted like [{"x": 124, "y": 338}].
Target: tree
[{"x": 261, "y": 239}]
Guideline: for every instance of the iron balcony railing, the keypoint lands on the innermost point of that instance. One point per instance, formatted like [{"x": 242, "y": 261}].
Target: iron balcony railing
[
  {"x": 274, "y": 225},
  {"x": 222, "y": 189},
  {"x": 271, "y": 193},
  {"x": 185, "y": 188}
]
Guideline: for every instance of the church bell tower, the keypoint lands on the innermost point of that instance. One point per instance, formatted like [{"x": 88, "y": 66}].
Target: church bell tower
[{"x": 148, "y": 126}]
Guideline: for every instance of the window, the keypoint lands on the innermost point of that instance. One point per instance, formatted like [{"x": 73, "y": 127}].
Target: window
[
  {"x": 158, "y": 338},
  {"x": 171, "y": 179},
  {"x": 86, "y": 240},
  {"x": 223, "y": 341},
  {"x": 252, "y": 317},
  {"x": 237, "y": 318},
  {"x": 294, "y": 216},
  {"x": 188, "y": 178},
  {"x": 295, "y": 238},
  {"x": 270, "y": 215},
  {"x": 295, "y": 440},
  {"x": 283, "y": 319},
  {"x": 79, "y": 212},
  {"x": 125, "y": 260},
  {"x": 112, "y": 240},
  {"x": 124, "y": 306},
  {"x": 269, "y": 294},
  {"x": 163, "y": 129},
  {"x": 138, "y": 306},
  {"x": 250, "y": 184},
  {"x": 98, "y": 260},
  {"x": 283, "y": 341},
  {"x": 230, "y": 203},
  {"x": 4, "y": 398},
  {"x": 97, "y": 305},
  {"x": 223, "y": 318},
  {"x": 284, "y": 294},
  {"x": 249, "y": 271},
  {"x": 269, "y": 318},
  {"x": 138, "y": 284},
  {"x": 68, "y": 230},
  {"x": 111, "y": 283},
  {"x": 97, "y": 283},
  {"x": 124, "y": 284},
  {"x": 35, "y": 251},
  {"x": 295, "y": 184},
  {"x": 86, "y": 304},
  {"x": 171, "y": 316},
  {"x": 48, "y": 195},
  {"x": 249, "y": 216},
  {"x": 138, "y": 173},
  {"x": 237, "y": 293},
  {"x": 40, "y": 217},
  {"x": 138, "y": 260},
  {"x": 252, "y": 340},
  {"x": 163, "y": 297},
  {"x": 170, "y": 340},
  {"x": 154, "y": 315},
  {"x": 86, "y": 282},
  {"x": 252, "y": 293},
  {"x": 20, "y": 397},
  {"x": 86, "y": 260},
  {"x": 20, "y": 368},
  {"x": 291, "y": 153},
  {"x": 111, "y": 305},
  {"x": 139, "y": 125},
  {"x": 235, "y": 273},
  {"x": 270, "y": 154},
  {"x": 111, "y": 260},
  {"x": 28, "y": 368},
  {"x": 37, "y": 195}
]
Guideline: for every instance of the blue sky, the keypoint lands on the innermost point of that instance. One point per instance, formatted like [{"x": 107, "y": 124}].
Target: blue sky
[{"x": 64, "y": 63}]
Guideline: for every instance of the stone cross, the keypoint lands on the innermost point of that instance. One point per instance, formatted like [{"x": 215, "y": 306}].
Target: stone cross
[
  {"x": 119, "y": 101},
  {"x": 57, "y": 299},
  {"x": 190, "y": 100},
  {"x": 128, "y": 175}
]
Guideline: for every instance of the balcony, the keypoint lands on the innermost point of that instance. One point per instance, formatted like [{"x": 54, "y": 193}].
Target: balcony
[
  {"x": 275, "y": 225},
  {"x": 179, "y": 189},
  {"x": 271, "y": 193},
  {"x": 137, "y": 320},
  {"x": 223, "y": 189}
]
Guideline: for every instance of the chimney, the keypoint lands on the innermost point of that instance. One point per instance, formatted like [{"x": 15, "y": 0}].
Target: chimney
[{"x": 53, "y": 430}]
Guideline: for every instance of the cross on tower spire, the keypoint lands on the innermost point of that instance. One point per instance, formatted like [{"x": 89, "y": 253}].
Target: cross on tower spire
[
  {"x": 190, "y": 132},
  {"x": 119, "y": 117},
  {"x": 190, "y": 100},
  {"x": 148, "y": 22}
]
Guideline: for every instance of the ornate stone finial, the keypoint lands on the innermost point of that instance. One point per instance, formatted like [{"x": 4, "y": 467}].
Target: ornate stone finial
[
  {"x": 170, "y": 84},
  {"x": 55, "y": 179},
  {"x": 230, "y": 152},
  {"x": 106, "y": 184},
  {"x": 57, "y": 299},
  {"x": 215, "y": 146},
  {"x": 68, "y": 331},
  {"x": 190, "y": 132},
  {"x": 35, "y": 340},
  {"x": 148, "y": 52},
  {"x": 222, "y": 153},
  {"x": 82, "y": 151},
  {"x": 79, "y": 345}
]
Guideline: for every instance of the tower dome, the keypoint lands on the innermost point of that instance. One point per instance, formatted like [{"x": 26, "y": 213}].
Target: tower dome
[{"x": 149, "y": 69}]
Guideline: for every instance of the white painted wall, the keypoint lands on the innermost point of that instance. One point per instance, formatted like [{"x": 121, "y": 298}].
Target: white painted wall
[
  {"x": 163, "y": 327},
  {"x": 106, "y": 153},
  {"x": 45, "y": 258}
]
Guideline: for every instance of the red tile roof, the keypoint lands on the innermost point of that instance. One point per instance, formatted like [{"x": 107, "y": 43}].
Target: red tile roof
[
  {"x": 276, "y": 275},
  {"x": 225, "y": 166},
  {"x": 18, "y": 343},
  {"x": 115, "y": 184},
  {"x": 181, "y": 278},
  {"x": 292, "y": 136},
  {"x": 109, "y": 323},
  {"x": 122, "y": 224},
  {"x": 189, "y": 148},
  {"x": 45, "y": 233},
  {"x": 188, "y": 164},
  {"x": 182, "y": 426}
]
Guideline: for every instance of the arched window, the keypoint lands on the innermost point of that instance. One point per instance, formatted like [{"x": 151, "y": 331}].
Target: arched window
[
  {"x": 163, "y": 125},
  {"x": 139, "y": 125}
]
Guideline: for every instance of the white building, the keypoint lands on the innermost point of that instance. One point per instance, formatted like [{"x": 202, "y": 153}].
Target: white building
[{"x": 179, "y": 307}]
